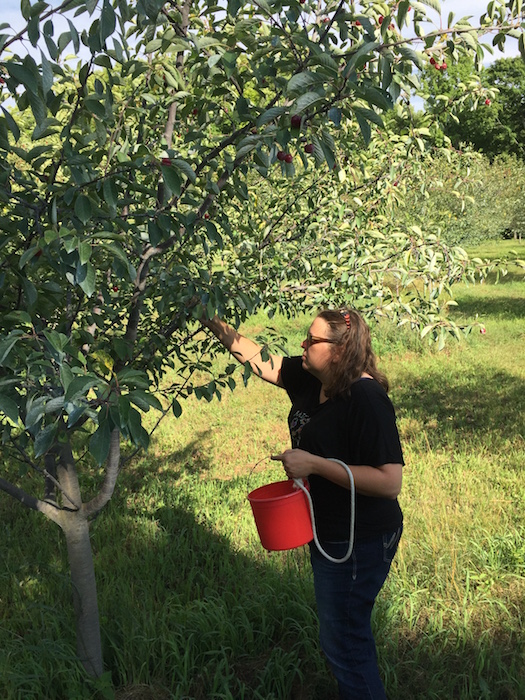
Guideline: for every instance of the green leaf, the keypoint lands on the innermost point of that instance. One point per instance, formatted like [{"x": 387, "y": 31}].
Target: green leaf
[
  {"x": 74, "y": 36},
  {"x": 7, "y": 344},
  {"x": 55, "y": 405},
  {"x": 139, "y": 436},
  {"x": 434, "y": 4},
  {"x": 402, "y": 13},
  {"x": 99, "y": 443},
  {"x": 133, "y": 377},
  {"x": 83, "y": 208},
  {"x": 30, "y": 292},
  {"x": 214, "y": 235},
  {"x": 66, "y": 375},
  {"x": 378, "y": 98},
  {"x": 233, "y": 7},
  {"x": 176, "y": 408},
  {"x": 110, "y": 191},
  {"x": 305, "y": 101},
  {"x": 171, "y": 179},
  {"x": 44, "y": 439},
  {"x": 244, "y": 150},
  {"x": 107, "y": 21},
  {"x": 411, "y": 55},
  {"x": 84, "y": 252},
  {"x": 9, "y": 408},
  {"x": 335, "y": 114},
  {"x": 11, "y": 124},
  {"x": 86, "y": 278},
  {"x": 144, "y": 400},
  {"x": 301, "y": 82},
  {"x": 47, "y": 74},
  {"x": 80, "y": 387},
  {"x": 270, "y": 115},
  {"x": 360, "y": 57},
  {"x": 364, "y": 126},
  {"x": 185, "y": 168},
  {"x": 94, "y": 106},
  {"x": 58, "y": 341},
  {"x": 369, "y": 115}
]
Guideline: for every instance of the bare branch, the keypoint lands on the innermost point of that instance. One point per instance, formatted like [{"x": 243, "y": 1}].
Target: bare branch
[{"x": 29, "y": 501}]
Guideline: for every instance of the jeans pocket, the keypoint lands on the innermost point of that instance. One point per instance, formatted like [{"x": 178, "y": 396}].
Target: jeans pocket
[{"x": 390, "y": 543}]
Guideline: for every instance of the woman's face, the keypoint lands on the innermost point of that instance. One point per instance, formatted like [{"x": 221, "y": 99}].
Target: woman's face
[{"x": 318, "y": 356}]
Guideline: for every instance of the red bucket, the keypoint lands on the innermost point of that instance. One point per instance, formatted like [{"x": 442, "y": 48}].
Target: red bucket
[{"x": 282, "y": 515}]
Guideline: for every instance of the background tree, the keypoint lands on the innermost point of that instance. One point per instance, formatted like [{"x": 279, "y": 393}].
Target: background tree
[
  {"x": 492, "y": 119},
  {"x": 127, "y": 184}
]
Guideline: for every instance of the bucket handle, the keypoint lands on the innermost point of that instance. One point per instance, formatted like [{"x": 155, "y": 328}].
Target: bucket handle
[{"x": 300, "y": 485}]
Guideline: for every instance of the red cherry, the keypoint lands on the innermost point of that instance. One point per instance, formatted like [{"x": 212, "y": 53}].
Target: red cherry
[
  {"x": 487, "y": 101},
  {"x": 302, "y": 2},
  {"x": 206, "y": 215},
  {"x": 433, "y": 60},
  {"x": 483, "y": 330},
  {"x": 115, "y": 288},
  {"x": 288, "y": 158},
  {"x": 166, "y": 161},
  {"x": 309, "y": 148},
  {"x": 295, "y": 121},
  {"x": 443, "y": 66},
  {"x": 380, "y": 19},
  {"x": 326, "y": 19},
  {"x": 195, "y": 111},
  {"x": 357, "y": 23},
  {"x": 281, "y": 155}
]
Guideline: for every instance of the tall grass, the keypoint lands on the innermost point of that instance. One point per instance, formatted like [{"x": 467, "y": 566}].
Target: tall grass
[{"x": 193, "y": 607}]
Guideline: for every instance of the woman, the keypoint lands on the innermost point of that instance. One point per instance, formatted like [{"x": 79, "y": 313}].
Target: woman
[{"x": 340, "y": 411}]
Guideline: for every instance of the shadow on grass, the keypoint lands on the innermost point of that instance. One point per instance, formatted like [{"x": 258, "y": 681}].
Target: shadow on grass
[
  {"x": 501, "y": 307},
  {"x": 186, "y": 615},
  {"x": 201, "y": 620},
  {"x": 484, "y": 407}
]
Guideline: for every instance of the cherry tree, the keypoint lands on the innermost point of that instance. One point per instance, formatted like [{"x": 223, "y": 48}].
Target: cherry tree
[{"x": 193, "y": 158}]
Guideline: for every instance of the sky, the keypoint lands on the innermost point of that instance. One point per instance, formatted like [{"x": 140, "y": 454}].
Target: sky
[{"x": 11, "y": 14}]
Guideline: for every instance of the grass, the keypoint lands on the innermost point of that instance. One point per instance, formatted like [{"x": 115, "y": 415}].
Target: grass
[{"x": 193, "y": 608}]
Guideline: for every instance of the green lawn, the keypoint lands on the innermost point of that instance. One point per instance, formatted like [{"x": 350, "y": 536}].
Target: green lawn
[{"x": 193, "y": 607}]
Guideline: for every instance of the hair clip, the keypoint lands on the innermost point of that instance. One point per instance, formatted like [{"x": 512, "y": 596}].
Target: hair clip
[{"x": 346, "y": 317}]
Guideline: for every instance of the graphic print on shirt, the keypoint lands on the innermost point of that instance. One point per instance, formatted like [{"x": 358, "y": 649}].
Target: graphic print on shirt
[{"x": 297, "y": 423}]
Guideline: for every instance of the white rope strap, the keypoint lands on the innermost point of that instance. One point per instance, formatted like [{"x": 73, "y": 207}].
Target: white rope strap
[{"x": 299, "y": 484}]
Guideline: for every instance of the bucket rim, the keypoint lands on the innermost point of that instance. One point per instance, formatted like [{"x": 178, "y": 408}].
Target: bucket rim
[{"x": 294, "y": 492}]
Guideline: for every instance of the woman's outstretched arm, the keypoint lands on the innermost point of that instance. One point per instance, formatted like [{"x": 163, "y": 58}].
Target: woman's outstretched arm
[{"x": 245, "y": 350}]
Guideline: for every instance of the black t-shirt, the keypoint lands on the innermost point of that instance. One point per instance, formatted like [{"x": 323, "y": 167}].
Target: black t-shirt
[{"x": 359, "y": 429}]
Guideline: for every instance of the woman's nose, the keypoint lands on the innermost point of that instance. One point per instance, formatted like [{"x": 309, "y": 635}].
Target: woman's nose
[{"x": 304, "y": 345}]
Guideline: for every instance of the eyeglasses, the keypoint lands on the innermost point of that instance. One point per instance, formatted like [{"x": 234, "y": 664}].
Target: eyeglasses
[{"x": 313, "y": 340}]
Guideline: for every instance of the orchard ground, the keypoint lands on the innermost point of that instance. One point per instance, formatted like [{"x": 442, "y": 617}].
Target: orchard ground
[{"x": 193, "y": 607}]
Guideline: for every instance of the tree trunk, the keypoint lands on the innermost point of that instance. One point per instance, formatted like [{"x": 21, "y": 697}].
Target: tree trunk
[{"x": 89, "y": 648}]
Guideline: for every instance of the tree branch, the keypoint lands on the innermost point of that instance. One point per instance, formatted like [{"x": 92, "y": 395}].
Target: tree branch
[
  {"x": 30, "y": 501},
  {"x": 112, "y": 471}
]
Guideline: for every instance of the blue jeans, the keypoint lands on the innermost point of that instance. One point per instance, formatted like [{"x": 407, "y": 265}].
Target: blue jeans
[{"x": 345, "y": 595}]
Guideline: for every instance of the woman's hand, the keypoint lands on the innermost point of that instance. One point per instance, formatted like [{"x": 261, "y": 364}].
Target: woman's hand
[
  {"x": 379, "y": 482},
  {"x": 297, "y": 464}
]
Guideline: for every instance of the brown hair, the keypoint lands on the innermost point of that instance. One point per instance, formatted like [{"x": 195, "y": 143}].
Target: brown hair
[{"x": 352, "y": 336}]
